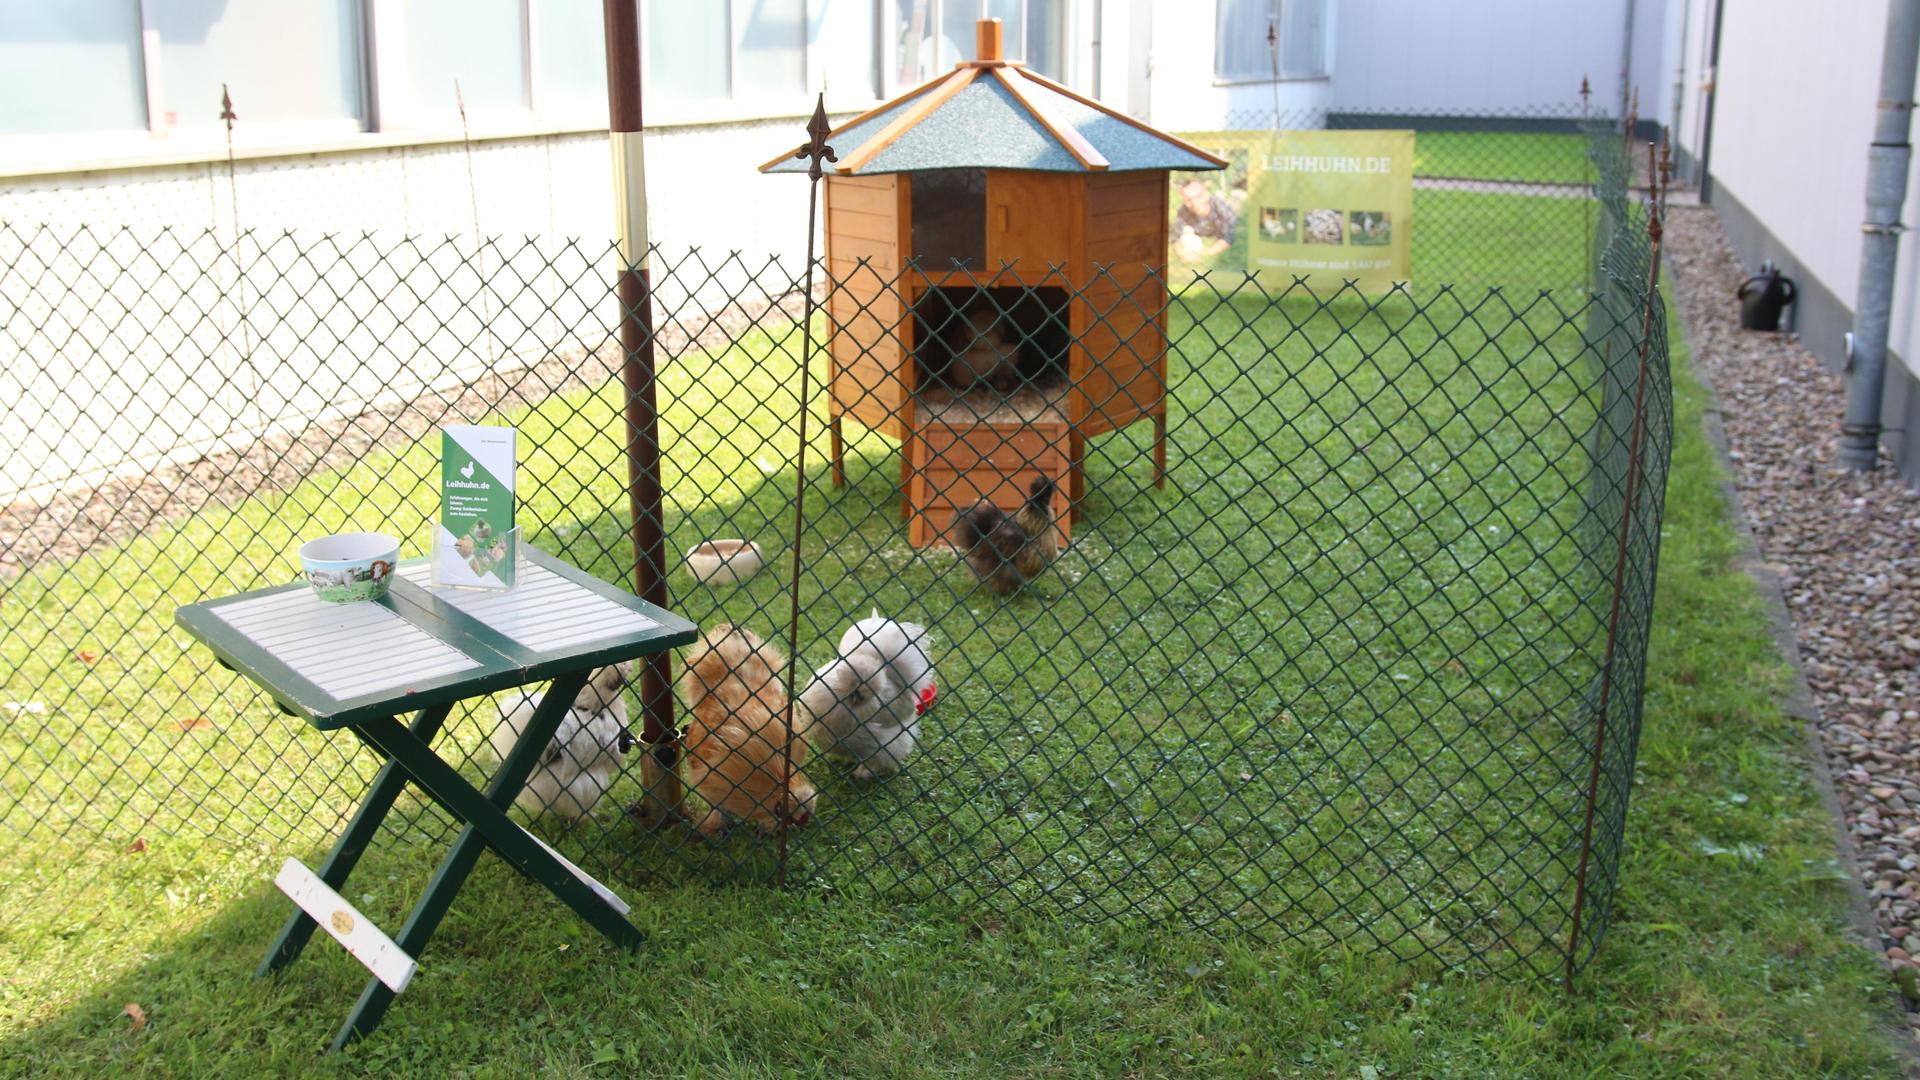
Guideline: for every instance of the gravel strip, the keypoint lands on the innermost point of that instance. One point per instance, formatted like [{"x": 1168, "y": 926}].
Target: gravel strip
[
  {"x": 76, "y": 522},
  {"x": 1847, "y": 549}
]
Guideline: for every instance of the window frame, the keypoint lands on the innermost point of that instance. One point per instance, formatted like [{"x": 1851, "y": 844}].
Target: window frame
[
  {"x": 737, "y": 106},
  {"x": 388, "y": 116},
  {"x": 1266, "y": 77}
]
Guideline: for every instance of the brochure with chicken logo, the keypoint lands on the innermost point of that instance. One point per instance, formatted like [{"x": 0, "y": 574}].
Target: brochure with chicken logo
[{"x": 475, "y": 543}]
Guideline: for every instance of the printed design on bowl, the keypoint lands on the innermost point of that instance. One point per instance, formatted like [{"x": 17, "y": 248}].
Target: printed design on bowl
[{"x": 352, "y": 583}]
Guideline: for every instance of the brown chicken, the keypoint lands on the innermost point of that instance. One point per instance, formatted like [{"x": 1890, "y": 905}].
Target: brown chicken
[
  {"x": 739, "y": 748},
  {"x": 1006, "y": 551}
]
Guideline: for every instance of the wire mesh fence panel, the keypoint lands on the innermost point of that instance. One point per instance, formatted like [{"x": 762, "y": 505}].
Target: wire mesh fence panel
[{"x": 1233, "y": 601}]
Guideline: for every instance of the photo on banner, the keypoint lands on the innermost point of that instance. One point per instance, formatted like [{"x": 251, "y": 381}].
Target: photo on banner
[{"x": 1325, "y": 207}]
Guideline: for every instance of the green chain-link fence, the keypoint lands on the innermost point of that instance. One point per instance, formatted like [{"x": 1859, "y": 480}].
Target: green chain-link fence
[{"x": 1366, "y": 663}]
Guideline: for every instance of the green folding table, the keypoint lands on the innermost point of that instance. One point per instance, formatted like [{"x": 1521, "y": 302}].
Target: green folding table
[{"x": 420, "y": 650}]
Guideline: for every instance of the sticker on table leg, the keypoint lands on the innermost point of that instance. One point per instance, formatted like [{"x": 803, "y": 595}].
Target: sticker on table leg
[{"x": 363, "y": 940}]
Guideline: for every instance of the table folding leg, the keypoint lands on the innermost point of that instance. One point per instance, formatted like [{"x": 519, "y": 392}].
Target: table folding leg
[
  {"x": 486, "y": 826},
  {"x": 387, "y": 786}
]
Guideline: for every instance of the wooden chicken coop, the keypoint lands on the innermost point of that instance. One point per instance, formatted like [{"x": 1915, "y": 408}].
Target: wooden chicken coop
[{"x": 994, "y": 213}]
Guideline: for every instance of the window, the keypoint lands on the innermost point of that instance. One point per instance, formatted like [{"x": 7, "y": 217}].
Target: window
[
  {"x": 70, "y": 67},
  {"x": 842, "y": 43},
  {"x": 773, "y": 50},
  {"x": 282, "y": 62},
  {"x": 113, "y": 65},
  {"x": 570, "y": 59},
  {"x": 512, "y": 59},
  {"x": 480, "y": 44},
  {"x": 79, "y": 67},
  {"x": 760, "y": 53},
  {"x": 688, "y": 57},
  {"x": 1033, "y": 31},
  {"x": 130, "y": 68},
  {"x": 1241, "y": 52}
]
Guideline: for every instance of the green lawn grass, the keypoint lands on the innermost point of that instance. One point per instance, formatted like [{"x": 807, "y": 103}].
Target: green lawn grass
[
  {"x": 1523, "y": 157},
  {"x": 1315, "y": 695}
]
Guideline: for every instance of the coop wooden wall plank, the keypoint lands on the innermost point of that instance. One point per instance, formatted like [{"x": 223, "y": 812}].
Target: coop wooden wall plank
[
  {"x": 1033, "y": 219},
  {"x": 865, "y": 225},
  {"x": 1120, "y": 193}
]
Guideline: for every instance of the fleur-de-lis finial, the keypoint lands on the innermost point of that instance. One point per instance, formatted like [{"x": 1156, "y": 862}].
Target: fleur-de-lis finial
[
  {"x": 1586, "y": 90},
  {"x": 226, "y": 107},
  {"x": 816, "y": 147},
  {"x": 1273, "y": 33}
]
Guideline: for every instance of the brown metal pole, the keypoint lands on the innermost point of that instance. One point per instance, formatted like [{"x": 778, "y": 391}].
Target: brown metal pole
[
  {"x": 1656, "y": 210},
  {"x": 658, "y": 731}
]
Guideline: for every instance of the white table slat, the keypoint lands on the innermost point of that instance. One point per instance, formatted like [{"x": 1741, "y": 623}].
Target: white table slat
[
  {"x": 543, "y": 611},
  {"x": 344, "y": 649}
]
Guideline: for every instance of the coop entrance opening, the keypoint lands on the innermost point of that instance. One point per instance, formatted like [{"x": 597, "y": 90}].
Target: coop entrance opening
[{"x": 997, "y": 340}]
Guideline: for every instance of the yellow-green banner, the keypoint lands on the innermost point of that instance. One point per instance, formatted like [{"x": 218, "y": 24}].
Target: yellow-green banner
[{"x": 1324, "y": 206}]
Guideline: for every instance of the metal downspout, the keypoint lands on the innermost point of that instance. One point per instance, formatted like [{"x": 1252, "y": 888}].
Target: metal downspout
[
  {"x": 1626, "y": 62},
  {"x": 1713, "y": 95},
  {"x": 1887, "y": 160}
]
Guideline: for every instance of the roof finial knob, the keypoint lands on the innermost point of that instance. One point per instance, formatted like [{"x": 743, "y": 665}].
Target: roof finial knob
[{"x": 987, "y": 37}]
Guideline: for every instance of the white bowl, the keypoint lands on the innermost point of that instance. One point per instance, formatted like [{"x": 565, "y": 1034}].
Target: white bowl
[
  {"x": 348, "y": 567},
  {"x": 724, "y": 562}
]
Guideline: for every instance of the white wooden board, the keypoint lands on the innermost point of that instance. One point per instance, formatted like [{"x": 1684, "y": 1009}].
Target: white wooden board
[
  {"x": 587, "y": 879},
  {"x": 366, "y": 942},
  {"x": 344, "y": 649},
  {"x": 543, "y": 611}
]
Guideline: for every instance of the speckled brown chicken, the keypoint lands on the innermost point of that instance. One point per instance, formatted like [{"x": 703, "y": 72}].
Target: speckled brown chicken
[{"x": 1006, "y": 551}]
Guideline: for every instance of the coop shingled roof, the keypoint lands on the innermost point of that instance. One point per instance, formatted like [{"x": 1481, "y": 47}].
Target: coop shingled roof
[{"x": 986, "y": 125}]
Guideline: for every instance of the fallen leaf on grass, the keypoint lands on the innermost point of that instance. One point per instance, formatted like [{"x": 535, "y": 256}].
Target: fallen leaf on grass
[
  {"x": 87, "y": 656},
  {"x": 139, "y": 845},
  {"x": 194, "y": 723},
  {"x": 137, "y": 1014}
]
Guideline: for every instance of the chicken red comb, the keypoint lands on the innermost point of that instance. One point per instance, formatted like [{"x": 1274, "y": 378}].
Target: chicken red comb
[{"x": 924, "y": 700}]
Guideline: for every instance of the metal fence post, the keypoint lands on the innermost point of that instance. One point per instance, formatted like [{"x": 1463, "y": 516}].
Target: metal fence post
[
  {"x": 625, "y": 128},
  {"x": 1656, "y": 208}
]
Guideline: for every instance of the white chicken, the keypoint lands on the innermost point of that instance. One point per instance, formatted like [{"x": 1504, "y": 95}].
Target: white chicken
[
  {"x": 866, "y": 703},
  {"x": 581, "y": 761}
]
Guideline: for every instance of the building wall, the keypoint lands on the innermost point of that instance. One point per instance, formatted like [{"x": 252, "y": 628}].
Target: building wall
[
  {"x": 1788, "y": 160},
  {"x": 1807, "y": 191},
  {"x": 703, "y": 183},
  {"x": 1185, "y": 96},
  {"x": 1479, "y": 55},
  {"x": 1690, "y": 51}
]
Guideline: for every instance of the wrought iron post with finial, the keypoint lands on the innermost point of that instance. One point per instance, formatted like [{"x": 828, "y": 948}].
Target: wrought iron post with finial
[
  {"x": 813, "y": 151},
  {"x": 227, "y": 117},
  {"x": 1273, "y": 51},
  {"x": 1586, "y": 176}
]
